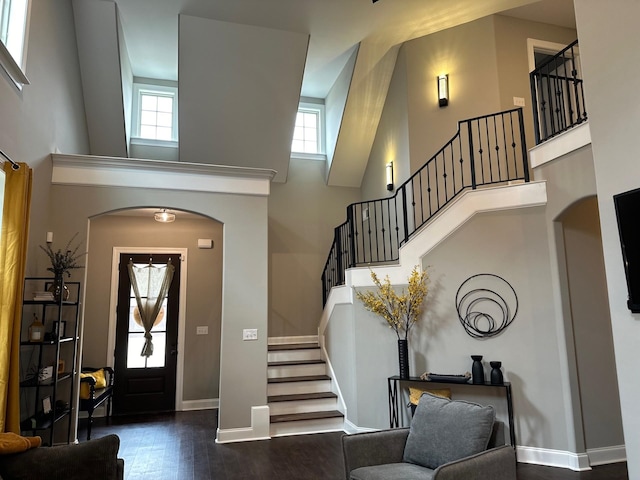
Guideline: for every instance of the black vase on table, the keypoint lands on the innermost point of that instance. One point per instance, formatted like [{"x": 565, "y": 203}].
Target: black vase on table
[
  {"x": 496, "y": 373},
  {"x": 403, "y": 358},
  {"x": 477, "y": 370}
]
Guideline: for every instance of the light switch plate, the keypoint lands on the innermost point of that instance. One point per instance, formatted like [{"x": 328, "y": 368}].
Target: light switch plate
[
  {"x": 250, "y": 334},
  {"x": 202, "y": 330},
  {"x": 518, "y": 101}
]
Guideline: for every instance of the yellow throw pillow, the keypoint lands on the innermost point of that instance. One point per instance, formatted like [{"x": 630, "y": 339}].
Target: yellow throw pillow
[
  {"x": 98, "y": 376},
  {"x": 14, "y": 443},
  {"x": 416, "y": 393}
]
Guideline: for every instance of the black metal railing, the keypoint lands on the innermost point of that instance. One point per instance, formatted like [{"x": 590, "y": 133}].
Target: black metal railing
[
  {"x": 557, "y": 94},
  {"x": 487, "y": 150}
]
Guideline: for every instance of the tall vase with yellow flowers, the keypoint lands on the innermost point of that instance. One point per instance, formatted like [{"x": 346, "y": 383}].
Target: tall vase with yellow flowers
[{"x": 400, "y": 310}]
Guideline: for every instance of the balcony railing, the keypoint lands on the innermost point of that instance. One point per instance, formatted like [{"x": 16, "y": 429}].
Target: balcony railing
[
  {"x": 487, "y": 150},
  {"x": 557, "y": 94}
]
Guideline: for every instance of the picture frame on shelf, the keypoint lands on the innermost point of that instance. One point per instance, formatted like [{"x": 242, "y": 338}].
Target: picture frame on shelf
[
  {"x": 46, "y": 405},
  {"x": 59, "y": 329}
]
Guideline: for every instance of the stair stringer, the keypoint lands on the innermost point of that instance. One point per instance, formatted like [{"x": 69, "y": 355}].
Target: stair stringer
[{"x": 437, "y": 230}]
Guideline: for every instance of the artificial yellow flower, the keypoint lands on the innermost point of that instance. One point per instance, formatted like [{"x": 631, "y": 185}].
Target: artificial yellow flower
[{"x": 401, "y": 311}]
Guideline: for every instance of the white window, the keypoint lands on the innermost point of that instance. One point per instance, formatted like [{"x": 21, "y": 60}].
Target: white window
[
  {"x": 308, "y": 134},
  {"x": 155, "y": 113},
  {"x": 14, "y": 21}
]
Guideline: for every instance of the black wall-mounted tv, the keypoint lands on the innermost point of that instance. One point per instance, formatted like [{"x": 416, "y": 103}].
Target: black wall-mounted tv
[{"x": 628, "y": 214}]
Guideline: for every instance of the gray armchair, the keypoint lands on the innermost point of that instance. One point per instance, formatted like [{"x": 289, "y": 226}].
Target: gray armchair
[
  {"x": 447, "y": 440},
  {"x": 93, "y": 460}
]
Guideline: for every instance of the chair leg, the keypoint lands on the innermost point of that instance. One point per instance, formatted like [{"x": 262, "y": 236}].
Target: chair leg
[
  {"x": 109, "y": 409},
  {"x": 89, "y": 425}
]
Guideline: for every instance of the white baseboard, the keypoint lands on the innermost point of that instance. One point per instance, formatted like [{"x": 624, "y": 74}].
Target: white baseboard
[
  {"x": 204, "y": 404},
  {"x": 553, "y": 458},
  {"x": 605, "y": 455},
  {"x": 295, "y": 339},
  {"x": 259, "y": 429}
]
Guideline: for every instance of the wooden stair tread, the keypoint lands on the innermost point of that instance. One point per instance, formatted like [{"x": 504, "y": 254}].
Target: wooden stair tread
[
  {"x": 296, "y": 417},
  {"x": 292, "y": 346},
  {"x": 284, "y": 363},
  {"x": 301, "y": 396},
  {"x": 306, "y": 378}
]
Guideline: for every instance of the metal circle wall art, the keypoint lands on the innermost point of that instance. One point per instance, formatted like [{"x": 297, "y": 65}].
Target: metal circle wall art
[{"x": 486, "y": 305}]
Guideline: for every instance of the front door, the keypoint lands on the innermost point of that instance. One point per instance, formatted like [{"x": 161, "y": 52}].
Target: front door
[{"x": 145, "y": 384}]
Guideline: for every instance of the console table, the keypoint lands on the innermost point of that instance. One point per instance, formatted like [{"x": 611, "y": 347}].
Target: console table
[{"x": 394, "y": 398}]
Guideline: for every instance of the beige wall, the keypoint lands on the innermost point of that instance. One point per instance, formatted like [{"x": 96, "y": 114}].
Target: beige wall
[
  {"x": 392, "y": 142},
  {"x": 512, "y": 57},
  {"x": 35, "y": 121},
  {"x": 614, "y": 121},
  {"x": 302, "y": 215},
  {"x": 591, "y": 323},
  {"x": 244, "y": 278},
  {"x": 204, "y": 292},
  {"x": 467, "y": 53},
  {"x": 487, "y": 64}
]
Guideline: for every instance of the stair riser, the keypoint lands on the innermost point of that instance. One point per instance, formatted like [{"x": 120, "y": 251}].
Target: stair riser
[
  {"x": 291, "y": 355},
  {"x": 307, "y": 426},
  {"x": 296, "y": 370},
  {"x": 303, "y": 406},
  {"x": 314, "y": 386}
]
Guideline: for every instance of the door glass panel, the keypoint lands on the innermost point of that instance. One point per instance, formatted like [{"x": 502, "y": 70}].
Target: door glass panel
[{"x": 135, "y": 335}]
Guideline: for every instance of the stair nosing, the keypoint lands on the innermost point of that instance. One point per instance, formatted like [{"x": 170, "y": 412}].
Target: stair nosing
[
  {"x": 298, "y": 417},
  {"x": 287, "y": 363},
  {"x": 306, "y": 378},
  {"x": 291, "y": 346},
  {"x": 292, "y": 397}
]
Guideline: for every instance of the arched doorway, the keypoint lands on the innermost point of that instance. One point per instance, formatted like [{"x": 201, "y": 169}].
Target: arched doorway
[
  {"x": 135, "y": 230},
  {"x": 590, "y": 325}
]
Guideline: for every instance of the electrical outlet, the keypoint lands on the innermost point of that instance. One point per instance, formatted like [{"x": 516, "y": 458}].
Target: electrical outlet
[
  {"x": 250, "y": 334},
  {"x": 202, "y": 330}
]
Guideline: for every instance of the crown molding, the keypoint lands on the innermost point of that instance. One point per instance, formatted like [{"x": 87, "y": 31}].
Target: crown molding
[{"x": 89, "y": 170}]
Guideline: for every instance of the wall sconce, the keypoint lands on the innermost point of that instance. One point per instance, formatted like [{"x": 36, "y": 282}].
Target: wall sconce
[
  {"x": 164, "y": 217},
  {"x": 443, "y": 90},
  {"x": 389, "y": 176}
]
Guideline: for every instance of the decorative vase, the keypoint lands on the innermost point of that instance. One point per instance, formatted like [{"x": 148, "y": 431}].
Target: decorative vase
[
  {"x": 403, "y": 358},
  {"x": 59, "y": 289},
  {"x": 477, "y": 370},
  {"x": 496, "y": 373}
]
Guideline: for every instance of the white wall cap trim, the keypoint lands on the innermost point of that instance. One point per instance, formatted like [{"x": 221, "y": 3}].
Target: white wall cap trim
[
  {"x": 87, "y": 170},
  {"x": 566, "y": 142}
]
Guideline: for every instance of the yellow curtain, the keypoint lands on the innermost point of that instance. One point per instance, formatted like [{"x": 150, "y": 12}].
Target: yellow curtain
[{"x": 13, "y": 254}]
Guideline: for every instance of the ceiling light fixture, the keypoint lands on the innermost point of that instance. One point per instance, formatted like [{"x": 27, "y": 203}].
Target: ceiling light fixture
[{"x": 164, "y": 217}]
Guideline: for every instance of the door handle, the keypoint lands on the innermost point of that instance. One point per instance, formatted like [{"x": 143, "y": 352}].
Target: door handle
[{"x": 173, "y": 352}]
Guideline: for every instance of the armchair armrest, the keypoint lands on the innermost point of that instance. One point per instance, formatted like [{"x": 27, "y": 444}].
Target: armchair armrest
[
  {"x": 93, "y": 459},
  {"x": 494, "y": 464},
  {"x": 373, "y": 448}
]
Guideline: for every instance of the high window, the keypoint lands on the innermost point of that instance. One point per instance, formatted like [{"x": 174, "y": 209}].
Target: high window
[
  {"x": 155, "y": 113},
  {"x": 14, "y": 21},
  {"x": 308, "y": 134}
]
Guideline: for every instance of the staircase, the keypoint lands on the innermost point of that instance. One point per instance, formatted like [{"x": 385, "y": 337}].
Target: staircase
[{"x": 299, "y": 391}]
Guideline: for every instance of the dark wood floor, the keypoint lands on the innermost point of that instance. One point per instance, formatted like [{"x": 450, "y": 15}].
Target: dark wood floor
[{"x": 181, "y": 446}]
